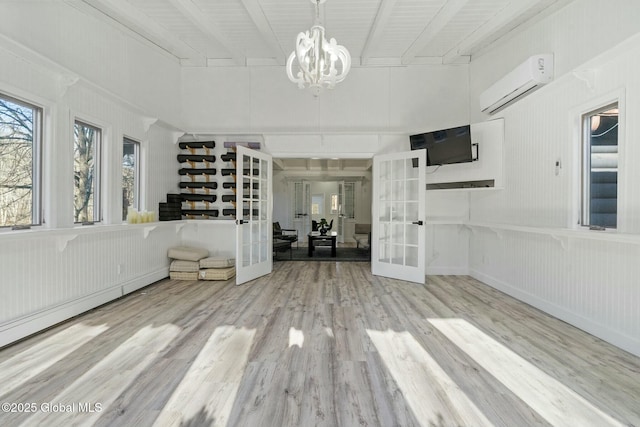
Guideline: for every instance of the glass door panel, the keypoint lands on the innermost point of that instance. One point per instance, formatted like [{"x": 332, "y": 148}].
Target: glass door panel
[
  {"x": 398, "y": 235},
  {"x": 253, "y": 215}
]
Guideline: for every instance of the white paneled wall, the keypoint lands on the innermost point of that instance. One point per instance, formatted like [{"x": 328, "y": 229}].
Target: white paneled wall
[
  {"x": 589, "y": 282},
  {"x": 372, "y": 101},
  {"x": 75, "y": 66},
  {"x": 160, "y": 165},
  {"x": 56, "y": 35},
  {"x": 49, "y": 276}
]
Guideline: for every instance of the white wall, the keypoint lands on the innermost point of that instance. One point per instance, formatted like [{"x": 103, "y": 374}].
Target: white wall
[
  {"x": 75, "y": 66},
  {"x": 57, "y": 36},
  {"x": 586, "y": 279},
  {"x": 373, "y": 111},
  {"x": 370, "y": 101}
]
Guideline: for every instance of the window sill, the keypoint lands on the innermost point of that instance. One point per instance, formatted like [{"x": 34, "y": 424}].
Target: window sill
[
  {"x": 42, "y": 232},
  {"x": 563, "y": 234}
]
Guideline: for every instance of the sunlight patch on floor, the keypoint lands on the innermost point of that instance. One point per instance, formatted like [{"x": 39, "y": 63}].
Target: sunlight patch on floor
[
  {"x": 25, "y": 365},
  {"x": 430, "y": 393},
  {"x": 113, "y": 374},
  {"x": 206, "y": 394},
  {"x": 296, "y": 337},
  {"x": 554, "y": 401}
]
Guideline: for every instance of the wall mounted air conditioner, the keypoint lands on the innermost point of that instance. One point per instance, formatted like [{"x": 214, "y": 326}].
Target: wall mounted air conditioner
[{"x": 527, "y": 77}]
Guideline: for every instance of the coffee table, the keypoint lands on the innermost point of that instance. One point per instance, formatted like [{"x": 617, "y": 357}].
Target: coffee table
[{"x": 317, "y": 237}]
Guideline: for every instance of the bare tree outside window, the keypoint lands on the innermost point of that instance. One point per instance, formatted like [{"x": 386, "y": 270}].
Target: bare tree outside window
[
  {"x": 19, "y": 163},
  {"x": 130, "y": 176},
  {"x": 86, "y": 152}
]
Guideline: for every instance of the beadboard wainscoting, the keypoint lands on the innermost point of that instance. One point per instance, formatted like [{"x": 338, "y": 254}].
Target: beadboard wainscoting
[
  {"x": 584, "y": 278},
  {"x": 447, "y": 251},
  {"x": 49, "y": 276}
]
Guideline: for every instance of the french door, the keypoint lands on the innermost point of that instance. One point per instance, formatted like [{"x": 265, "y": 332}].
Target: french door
[
  {"x": 301, "y": 208},
  {"x": 253, "y": 214},
  {"x": 398, "y": 235}
]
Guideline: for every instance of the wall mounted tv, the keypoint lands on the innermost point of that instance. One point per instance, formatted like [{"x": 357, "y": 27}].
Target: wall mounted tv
[{"x": 445, "y": 146}]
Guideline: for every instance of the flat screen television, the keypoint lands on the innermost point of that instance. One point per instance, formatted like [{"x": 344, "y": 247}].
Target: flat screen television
[{"x": 445, "y": 146}]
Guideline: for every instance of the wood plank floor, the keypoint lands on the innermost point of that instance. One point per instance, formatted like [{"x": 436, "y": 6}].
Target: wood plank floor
[{"x": 318, "y": 344}]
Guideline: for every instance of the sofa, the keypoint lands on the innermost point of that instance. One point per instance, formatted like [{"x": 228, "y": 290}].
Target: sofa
[{"x": 362, "y": 235}]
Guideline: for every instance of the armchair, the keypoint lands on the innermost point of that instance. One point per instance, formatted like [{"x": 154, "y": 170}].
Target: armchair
[{"x": 287, "y": 234}]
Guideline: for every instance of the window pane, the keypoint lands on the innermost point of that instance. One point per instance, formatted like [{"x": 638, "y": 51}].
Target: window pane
[
  {"x": 349, "y": 200},
  {"x": 334, "y": 203},
  {"x": 317, "y": 204},
  {"x": 19, "y": 163},
  {"x": 85, "y": 172},
  {"x": 600, "y": 169},
  {"x": 130, "y": 176}
]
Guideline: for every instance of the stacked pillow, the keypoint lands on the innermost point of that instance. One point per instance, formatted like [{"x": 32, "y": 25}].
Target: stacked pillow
[
  {"x": 217, "y": 268},
  {"x": 190, "y": 263},
  {"x": 185, "y": 263}
]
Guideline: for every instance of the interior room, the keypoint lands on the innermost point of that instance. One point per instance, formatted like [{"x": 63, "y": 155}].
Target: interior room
[{"x": 479, "y": 157}]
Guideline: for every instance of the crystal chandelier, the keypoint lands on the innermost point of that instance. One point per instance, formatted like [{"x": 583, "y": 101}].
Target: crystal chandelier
[{"x": 320, "y": 63}]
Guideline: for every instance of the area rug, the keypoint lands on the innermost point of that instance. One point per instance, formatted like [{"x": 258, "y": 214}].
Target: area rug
[{"x": 324, "y": 254}]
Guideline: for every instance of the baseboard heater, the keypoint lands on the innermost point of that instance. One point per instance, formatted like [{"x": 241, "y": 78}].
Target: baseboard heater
[{"x": 487, "y": 183}]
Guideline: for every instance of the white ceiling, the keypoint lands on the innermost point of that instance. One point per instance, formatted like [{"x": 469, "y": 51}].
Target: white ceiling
[
  {"x": 376, "y": 32},
  {"x": 322, "y": 165}
]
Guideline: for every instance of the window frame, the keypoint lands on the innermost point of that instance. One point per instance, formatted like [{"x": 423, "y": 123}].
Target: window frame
[
  {"x": 37, "y": 210},
  {"x": 584, "y": 219},
  {"x": 137, "y": 198},
  {"x": 97, "y": 164}
]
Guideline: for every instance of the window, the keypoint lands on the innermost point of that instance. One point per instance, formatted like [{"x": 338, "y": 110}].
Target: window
[
  {"x": 600, "y": 167},
  {"x": 317, "y": 204},
  {"x": 335, "y": 204},
  {"x": 86, "y": 172},
  {"x": 349, "y": 200},
  {"x": 20, "y": 148},
  {"x": 130, "y": 176}
]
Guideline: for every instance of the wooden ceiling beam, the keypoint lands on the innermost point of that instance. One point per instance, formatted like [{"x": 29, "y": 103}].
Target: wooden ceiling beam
[
  {"x": 440, "y": 21},
  {"x": 510, "y": 13},
  {"x": 261, "y": 22},
  {"x": 377, "y": 29},
  {"x": 208, "y": 28},
  {"x": 132, "y": 18}
]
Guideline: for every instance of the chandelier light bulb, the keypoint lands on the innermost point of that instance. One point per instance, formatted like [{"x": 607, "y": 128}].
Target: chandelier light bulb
[{"x": 316, "y": 63}]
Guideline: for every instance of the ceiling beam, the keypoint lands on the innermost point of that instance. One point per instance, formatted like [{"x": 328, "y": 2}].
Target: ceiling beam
[
  {"x": 132, "y": 18},
  {"x": 279, "y": 164},
  {"x": 377, "y": 29},
  {"x": 504, "y": 17},
  {"x": 262, "y": 24},
  {"x": 442, "y": 18},
  {"x": 208, "y": 28}
]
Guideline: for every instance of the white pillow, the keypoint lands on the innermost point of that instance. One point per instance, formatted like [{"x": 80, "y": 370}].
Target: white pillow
[
  {"x": 187, "y": 253},
  {"x": 217, "y": 273},
  {"x": 186, "y": 266},
  {"x": 217, "y": 262}
]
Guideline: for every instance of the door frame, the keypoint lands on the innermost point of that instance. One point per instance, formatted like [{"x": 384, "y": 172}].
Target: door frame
[
  {"x": 385, "y": 245},
  {"x": 258, "y": 243}
]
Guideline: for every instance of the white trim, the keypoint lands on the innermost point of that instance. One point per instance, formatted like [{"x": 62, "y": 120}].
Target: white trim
[
  {"x": 35, "y": 322},
  {"x": 625, "y": 342},
  {"x": 447, "y": 271}
]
